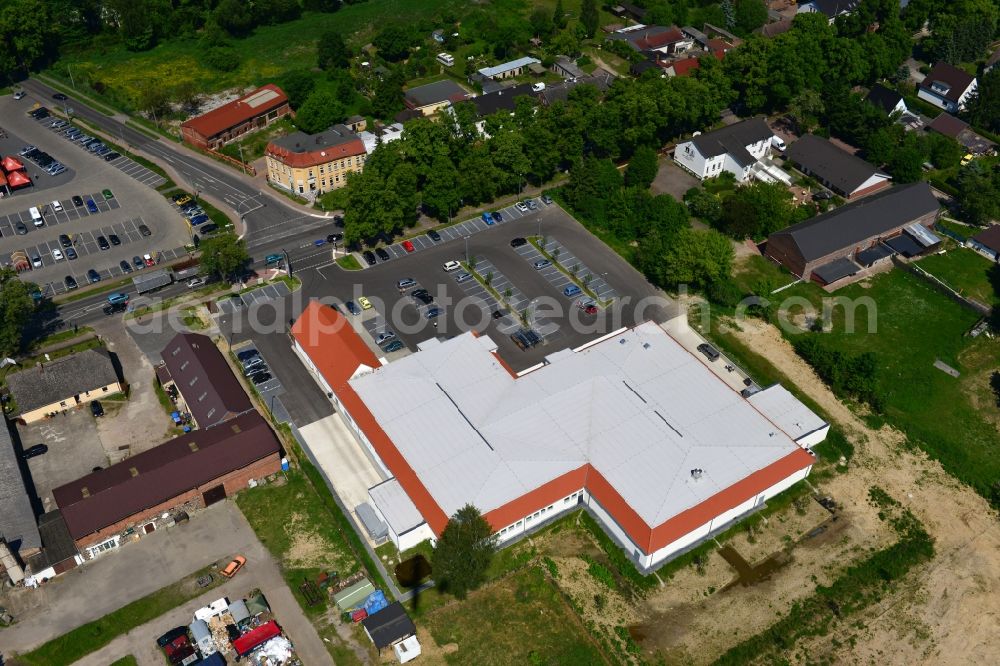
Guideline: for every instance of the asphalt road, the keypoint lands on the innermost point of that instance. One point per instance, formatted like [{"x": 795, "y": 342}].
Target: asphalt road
[{"x": 244, "y": 197}]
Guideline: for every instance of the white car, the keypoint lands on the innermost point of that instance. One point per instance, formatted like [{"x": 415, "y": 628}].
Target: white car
[
  {"x": 521, "y": 206},
  {"x": 195, "y": 282},
  {"x": 450, "y": 266},
  {"x": 36, "y": 261},
  {"x": 19, "y": 94},
  {"x": 57, "y": 254}
]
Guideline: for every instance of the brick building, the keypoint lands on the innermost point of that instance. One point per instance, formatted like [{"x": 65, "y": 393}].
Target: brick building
[
  {"x": 229, "y": 122},
  {"x": 195, "y": 470},
  {"x": 206, "y": 386}
]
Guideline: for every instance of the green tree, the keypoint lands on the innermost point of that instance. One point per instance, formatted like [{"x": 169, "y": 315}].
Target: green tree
[
  {"x": 16, "y": 309},
  {"x": 541, "y": 23},
  {"x": 463, "y": 552},
  {"x": 331, "y": 50},
  {"x": 704, "y": 205},
  {"x": 590, "y": 19},
  {"x": 26, "y": 36},
  {"x": 642, "y": 168},
  {"x": 750, "y": 15},
  {"x": 806, "y": 109},
  {"x": 945, "y": 152},
  {"x": 439, "y": 193},
  {"x": 298, "y": 84},
  {"x": 696, "y": 257},
  {"x": 139, "y": 21},
  {"x": 234, "y": 17},
  {"x": 273, "y": 12},
  {"x": 223, "y": 255},
  {"x": 978, "y": 194},
  {"x": 983, "y": 108},
  {"x": 559, "y": 15},
  {"x": 907, "y": 162},
  {"x": 756, "y": 210},
  {"x": 320, "y": 111},
  {"x": 393, "y": 42},
  {"x": 388, "y": 97}
]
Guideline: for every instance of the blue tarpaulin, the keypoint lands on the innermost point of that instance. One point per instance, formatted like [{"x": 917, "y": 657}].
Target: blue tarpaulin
[
  {"x": 375, "y": 602},
  {"x": 176, "y": 416}
]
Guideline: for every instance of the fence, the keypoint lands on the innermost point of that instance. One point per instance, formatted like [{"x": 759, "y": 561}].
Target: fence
[{"x": 942, "y": 287}]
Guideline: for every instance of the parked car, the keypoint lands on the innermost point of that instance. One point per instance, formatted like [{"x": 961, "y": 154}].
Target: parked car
[
  {"x": 144, "y": 230},
  {"x": 405, "y": 283},
  {"x": 393, "y": 346},
  {"x": 91, "y": 206},
  {"x": 233, "y": 567},
  {"x": 822, "y": 196},
  {"x": 108, "y": 157},
  {"x": 107, "y": 194},
  {"x": 114, "y": 239},
  {"x": 137, "y": 262},
  {"x": 93, "y": 276},
  {"x": 247, "y": 354},
  {"x": 70, "y": 283},
  {"x": 199, "y": 219},
  {"x": 36, "y": 261},
  {"x": 498, "y": 313},
  {"x": 65, "y": 241},
  {"x": 20, "y": 94},
  {"x": 77, "y": 200},
  {"x": 252, "y": 362},
  {"x": 364, "y": 303},
  {"x": 208, "y": 229},
  {"x": 525, "y": 339},
  {"x": 434, "y": 236},
  {"x": 487, "y": 218},
  {"x": 197, "y": 282},
  {"x": 36, "y": 450},
  {"x": 260, "y": 378},
  {"x": 382, "y": 254},
  {"x": 181, "y": 199},
  {"x": 369, "y": 257},
  {"x": 521, "y": 206},
  {"x": 59, "y": 96},
  {"x": 171, "y": 635},
  {"x": 433, "y": 312},
  {"x": 96, "y": 409},
  {"x": 70, "y": 253},
  {"x": 408, "y": 246},
  {"x": 451, "y": 266},
  {"x": 193, "y": 211},
  {"x": 384, "y": 337},
  {"x": 547, "y": 200},
  {"x": 518, "y": 242},
  {"x": 57, "y": 254},
  {"x": 148, "y": 260},
  {"x": 103, "y": 243},
  {"x": 532, "y": 204},
  {"x": 497, "y": 217},
  {"x": 352, "y": 308},
  {"x": 572, "y": 290},
  {"x": 125, "y": 266},
  {"x": 710, "y": 352},
  {"x": 542, "y": 263},
  {"x": 463, "y": 277},
  {"x": 20, "y": 229}
]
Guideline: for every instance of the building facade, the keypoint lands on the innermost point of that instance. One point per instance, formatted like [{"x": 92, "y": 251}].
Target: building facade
[
  {"x": 257, "y": 110},
  {"x": 947, "y": 87},
  {"x": 734, "y": 148},
  {"x": 312, "y": 164},
  {"x": 66, "y": 383}
]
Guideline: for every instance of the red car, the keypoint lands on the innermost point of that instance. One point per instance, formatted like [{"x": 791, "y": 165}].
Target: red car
[
  {"x": 179, "y": 649},
  {"x": 408, "y": 246}
]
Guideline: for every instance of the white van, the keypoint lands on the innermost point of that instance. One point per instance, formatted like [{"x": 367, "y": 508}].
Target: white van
[
  {"x": 778, "y": 143},
  {"x": 36, "y": 216},
  {"x": 446, "y": 59},
  {"x": 56, "y": 207}
]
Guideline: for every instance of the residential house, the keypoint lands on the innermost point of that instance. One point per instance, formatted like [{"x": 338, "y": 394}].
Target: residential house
[
  {"x": 504, "y": 99},
  {"x": 19, "y": 534},
  {"x": 432, "y": 97},
  {"x": 559, "y": 92},
  {"x": 947, "y": 87},
  {"x": 837, "y": 245},
  {"x": 389, "y": 626},
  {"x": 849, "y": 176},
  {"x": 192, "y": 471},
  {"x": 567, "y": 68},
  {"x": 381, "y": 134},
  {"x": 509, "y": 70},
  {"x": 733, "y": 148},
  {"x": 356, "y": 123},
  {"x": 229, "y": 122},
  {"x": 776, "y": 28},
  {"x": 314, "y": 164},
  {"x": 987, "y": 242},
  {"x": 64, "y": 383},
  {"x": 653, "y": 39},
  {"x": 59, "y": 553},
  {"x": 886, "y": 99},
  {"x": 206, "y": 385},
  {"x": 960, "y": 131}
]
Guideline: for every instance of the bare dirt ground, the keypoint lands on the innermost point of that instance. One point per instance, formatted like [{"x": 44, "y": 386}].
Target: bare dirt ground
[{"x": 948, "y": 610}]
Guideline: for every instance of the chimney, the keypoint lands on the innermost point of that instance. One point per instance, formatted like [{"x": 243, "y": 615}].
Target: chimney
[{"x": 697, "y": 473}]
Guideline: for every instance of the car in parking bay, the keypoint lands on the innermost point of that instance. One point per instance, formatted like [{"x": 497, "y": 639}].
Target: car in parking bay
[
  {"x": 198, "y": 282},
  {"x": 260, "y": 378},
  {"x": 531, "y": 204},
  {"x": 547, "y": 200},
  {"x": 144, "y": 230},
  {"x": 111, "y": 156},
  {"x": 91, "y": 206},
  {"x": 107, "y": 194},
  {"x": 137, "y": 262},
  {"x": 352, "y": 308},
  {"x": 148, "y": 260},
  {"x": 521, "y": 206},
  {"x": 199, "y": 219},
  {"x": 36, "y": 261},
  {"x": 542, "y": 263},
  {"x": 518, "y": 242},
  {"x": 369, "y": 257},
  {"x": 125, "y": 266},
  {"x": 181, "y": 199},
  {"x": 364, "y": 303},
  {"x": 497, "y": 217},
  {"x": 70, "y": 283},
  {"x": 20, "y": 229},
  {"x": 60, "y": 97},
  {"x": 77, "y": 200},
  {"x": 434, "y": 236},
  {"x": 114, "y": 239},
  {"x": 382, "y": 254},
  {"x": 103, "y": 243},
  {"x": 65, "y": 241},
  {"x": 433, "y": 312},
  {"x": 36, "y": 450},
  {"x": 405, "y": 283},
  {"x": 247, "y": 354},
  {"x": 93, "y": 276},
  {"x": 393, "y": 346},
  {"x": 57, "y": 254},
  {"x": 408, "y": 246},
  {"x": 487, "y": 218},
  {"x": 384, "y": 337},
  {"x": 71, "y": 254}
]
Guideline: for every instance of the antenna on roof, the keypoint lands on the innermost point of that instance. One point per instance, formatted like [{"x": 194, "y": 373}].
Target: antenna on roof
[{"x": 697, "y": 473}]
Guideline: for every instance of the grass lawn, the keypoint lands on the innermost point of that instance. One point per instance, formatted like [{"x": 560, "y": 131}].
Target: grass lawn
[
  {"x": 349, "y": 262},
  {"x": 62, "y": 336},
  {"x": 255, "y": 143},
  {"x": 760, "y": 275},
  {"x": 948, "y": 417},
  {"x": 967, "y": 272},
  {"x": 295, "y": 525},
  {"x": 521, "y": 619},
  {"x": 127, "y": 660},
  {"x": 92, "y": 636}
]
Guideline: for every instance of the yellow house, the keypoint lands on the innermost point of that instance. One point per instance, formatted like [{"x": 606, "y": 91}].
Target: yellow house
[
  {"x": 313, "y": 164},
  {"x": 65, "y": 383},
  {"x": 432, "y": 97}
]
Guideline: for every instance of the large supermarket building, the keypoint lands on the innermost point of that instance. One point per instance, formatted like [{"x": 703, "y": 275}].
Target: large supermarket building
[{"x": 632, "y": 426}]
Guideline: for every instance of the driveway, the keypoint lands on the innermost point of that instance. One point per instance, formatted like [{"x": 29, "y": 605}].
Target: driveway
[
  {"x": 98, "y": 587},
  {"x": 261, "y": 572},
  {"x": 673, "y": 180}
]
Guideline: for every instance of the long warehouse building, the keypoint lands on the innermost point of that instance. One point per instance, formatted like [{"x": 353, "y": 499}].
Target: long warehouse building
[{"x": 633, "y": 426}]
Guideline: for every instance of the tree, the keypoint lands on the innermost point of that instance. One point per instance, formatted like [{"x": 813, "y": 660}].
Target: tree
[
  {"x": 320, "y": 111},
  {"x": 978, "y": 194},
  {"x": 696, "y": 257},
  {"x": 393, "y": 42},
  {"x": 331, "y": 50},
  {"x": 388, "y": 98},
  {"x": 273, "y": 12},
  {"x": 541, "y": 23},
  {"x": 298, "y": 84},
  {"x": 590, "y": 19},
  {"x": 704, "y": 205},
  {"x": 750, "y": 15},
  {"x": 234, "y": 17},
  {"x": 642, "y": 168},
  {"x": 223, "y": 255},
  {"x": 906, "y": 164},
  {"x": 16, "y": 309},
  {"x": 463, "y": 552},
  {"x": 983, "y": 107},
  {"x": 757, "y": 210},
  {"x": 559, "y": 15},
  {"x": 945, "y": 152},
  {"x": 806, "y": 109}
]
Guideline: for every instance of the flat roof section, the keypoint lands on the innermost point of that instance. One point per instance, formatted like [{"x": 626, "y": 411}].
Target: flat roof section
[
  {"x": 397, "y": 507},
  {"x": 637, "y": 408},
  {"x": 786, "y": 411}
]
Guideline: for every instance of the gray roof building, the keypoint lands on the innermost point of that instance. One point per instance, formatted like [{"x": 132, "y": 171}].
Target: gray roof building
[
  {"x": 389, "y": 625},
  {"x": 435, "y": 93},
  {"x": 842, "y": 172},
  {"x": 884, "y": 98},
  {"x": 733, "y": 139},
  {"x": 210, "y": 390},
  {"x": 58, "y": 547},
  {"x": 502, "y": 100},
  {"x": 299, "y": 142},
  {"x": 947, "y": 81},
  {"x": 55, "y": 381},
  {"x": 17, "y": 517}
]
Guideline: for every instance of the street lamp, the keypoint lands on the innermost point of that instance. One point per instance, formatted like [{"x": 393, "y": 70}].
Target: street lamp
[{"x": 288, "y": 262}]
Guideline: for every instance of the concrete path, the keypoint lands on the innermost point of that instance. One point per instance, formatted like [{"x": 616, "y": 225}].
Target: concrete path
[{"x": 342, "y": 459}]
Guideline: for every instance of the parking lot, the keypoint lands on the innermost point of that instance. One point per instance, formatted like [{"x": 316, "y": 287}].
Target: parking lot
[
  {"x": 261, "y": 295},
  {"x": 271, "y": 390},
  {"x": 470, "y": 306},
  {"x": 129, "y": 203},
  {"x": 567, "y": 260}
]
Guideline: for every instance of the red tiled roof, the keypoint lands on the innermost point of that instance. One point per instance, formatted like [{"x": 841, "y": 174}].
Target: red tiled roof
[
  {"x": 685, "y": 66},
  {"x": 236, "y": 112},
  {"x": 152, "y": 477},
  {"x": 659, "y": 40},
  {"x": 315, "y": 157}
]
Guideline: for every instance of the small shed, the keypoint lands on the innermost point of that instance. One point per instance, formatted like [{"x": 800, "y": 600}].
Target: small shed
[
  {"x": 375, "y": 526},
  {"x": 202, "y": 636},
  {"x": 353, "y": 596},
  {"x": 238, "y": 609},
  {"x": 407, "y": 649},
  {"x": 389, "y": 626}
]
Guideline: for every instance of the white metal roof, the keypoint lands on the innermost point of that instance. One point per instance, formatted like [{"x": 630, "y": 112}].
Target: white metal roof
[
  {"x": 787, "y": 411},
  {"x": 638, "y": 406},
  {"x": 396, "y": 506},
  {"x": 508, "y": 66}
]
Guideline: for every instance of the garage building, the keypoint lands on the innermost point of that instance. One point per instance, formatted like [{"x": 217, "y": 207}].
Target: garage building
[
  {"x": 193, "y": 470},
  {"x": 207, "y": 387},
  {"x": 633, "y": 427},
  {"x": 64, "y": 383}
]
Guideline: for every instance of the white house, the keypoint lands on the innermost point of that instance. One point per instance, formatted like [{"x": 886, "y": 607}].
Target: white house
[
  {"x": 890, "y": 101},
  {"x": 734, "y": 148},
  {"x": 831, "y": 8},
  {"x": 947, "y": 87}
]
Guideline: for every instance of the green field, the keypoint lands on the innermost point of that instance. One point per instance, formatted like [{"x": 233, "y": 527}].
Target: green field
[
  {"x": 967, "y": 272},
  {"x": 950, "y": 418},
  {"x": 522, "y": 619}
]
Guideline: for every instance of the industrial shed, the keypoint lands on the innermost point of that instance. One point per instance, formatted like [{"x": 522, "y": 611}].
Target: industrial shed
[{"x": 823, "y": 248}]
